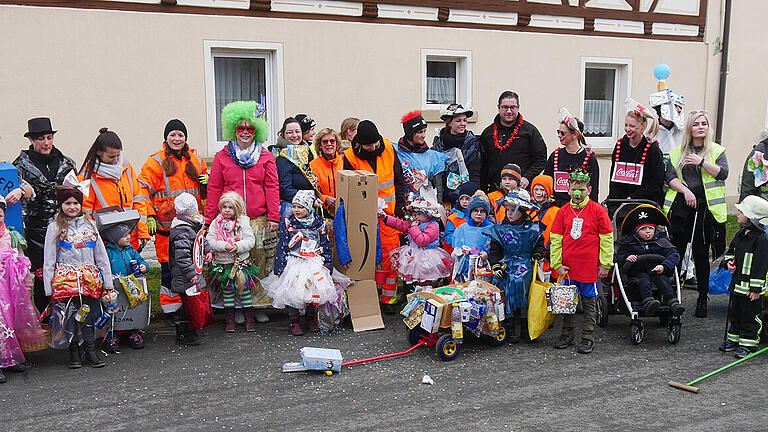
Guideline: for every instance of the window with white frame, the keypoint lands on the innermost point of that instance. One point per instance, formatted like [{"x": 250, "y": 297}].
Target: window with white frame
[
  {"x": 446, "y": 78},
  {"x": 605, "y": 85},
  {"x": 242, "y": 71}
]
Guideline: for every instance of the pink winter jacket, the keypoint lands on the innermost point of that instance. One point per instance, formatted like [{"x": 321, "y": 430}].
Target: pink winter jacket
[
  {"x": 422, "y": 237},
  {"x": 258, "y": 185}
]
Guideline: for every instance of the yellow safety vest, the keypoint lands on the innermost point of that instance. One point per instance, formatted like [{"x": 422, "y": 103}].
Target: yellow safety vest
[{"x": 714, "y": 189}]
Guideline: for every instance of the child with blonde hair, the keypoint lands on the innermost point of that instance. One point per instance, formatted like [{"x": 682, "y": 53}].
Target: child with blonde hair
[{"x": 231, "y": 239}]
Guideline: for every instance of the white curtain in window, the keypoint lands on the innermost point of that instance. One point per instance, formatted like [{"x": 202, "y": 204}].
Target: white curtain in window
[
  {"x": 597, "y": 117},
  {"x": 238, "y": 79},
  {"x": 441, "y": 90}
]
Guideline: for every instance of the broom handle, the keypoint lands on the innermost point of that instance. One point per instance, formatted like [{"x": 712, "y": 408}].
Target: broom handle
[{"x": 728, "y": 366}]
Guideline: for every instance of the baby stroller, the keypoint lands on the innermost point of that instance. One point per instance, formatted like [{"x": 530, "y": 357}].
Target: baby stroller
[{"x": 620, "y": 291}]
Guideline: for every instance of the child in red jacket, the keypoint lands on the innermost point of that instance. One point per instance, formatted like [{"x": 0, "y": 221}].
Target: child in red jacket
[{"x": 582, "y": 249}]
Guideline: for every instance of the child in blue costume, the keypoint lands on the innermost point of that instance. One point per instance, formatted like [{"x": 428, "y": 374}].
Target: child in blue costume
[
  {"x": 514, "y": 243},
  {"x": 121, "y": 253},
  {"x": 469, "y": 243},
  {"x": 459, "y": 213},
  {"x": 423, "y": 167}
]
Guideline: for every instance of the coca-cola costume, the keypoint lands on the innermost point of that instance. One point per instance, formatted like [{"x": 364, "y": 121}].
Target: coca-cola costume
[
  {"x": 644, "y": 164},
  {"x": 562, "y": 162}
]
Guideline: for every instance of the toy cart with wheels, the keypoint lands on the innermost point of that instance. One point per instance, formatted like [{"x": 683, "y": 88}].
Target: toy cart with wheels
[{"x": 433, "y": 317}]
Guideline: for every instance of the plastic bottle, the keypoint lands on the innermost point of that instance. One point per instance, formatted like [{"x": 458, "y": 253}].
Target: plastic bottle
[{"x": 457, "y": 329}]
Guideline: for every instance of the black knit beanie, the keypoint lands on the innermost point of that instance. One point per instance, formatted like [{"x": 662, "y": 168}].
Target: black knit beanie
[{"x": 173, "y": 125}]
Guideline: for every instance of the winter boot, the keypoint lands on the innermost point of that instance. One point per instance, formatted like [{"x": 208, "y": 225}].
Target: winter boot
[
  {"x": 310, "y": 319},
  {"x": 564, "y": 341},
  {"x": 676, "y": 308},
  {"x": 184, "y": 336},
  {"x": 74, "y": 356},
  {"x": 294, "y": 319},
  {"x": 651, "y": 307},
  {"x": 229, "y": 313},
  {"x": 90, "y": 355},
  {"x": 250, "y": 323},
  {"x": 701, "y": 307}
]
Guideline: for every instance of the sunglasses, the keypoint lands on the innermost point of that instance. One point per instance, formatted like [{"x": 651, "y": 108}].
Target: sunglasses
[
  {"x": 560, "y": 133},
  {"x": 329, "y": 141},
  {"x": 241, "y": 129}
]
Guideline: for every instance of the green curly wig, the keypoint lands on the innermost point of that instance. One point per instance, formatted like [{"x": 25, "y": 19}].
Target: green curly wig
[{"x": 234, "y": 112}]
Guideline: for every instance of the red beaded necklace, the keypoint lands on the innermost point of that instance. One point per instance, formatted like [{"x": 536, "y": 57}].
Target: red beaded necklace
[
  {"x": 583, "y": 164},
  {"x": 645, "y": 151},
  {"x": 511, "y": 137}
]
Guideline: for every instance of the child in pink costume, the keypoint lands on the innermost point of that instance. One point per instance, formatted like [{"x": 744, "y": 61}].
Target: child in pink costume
[{"x": 421, "y": 262}]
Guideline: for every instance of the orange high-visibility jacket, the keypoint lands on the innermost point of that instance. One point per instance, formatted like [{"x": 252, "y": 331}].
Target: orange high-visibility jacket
[
  {"x": 126, "y": 193},
  {"x": 325, "y": 170},
  {"x": 499, "y": 212},
  {"x": 385, "y": 169},
  {"x": 162, "y": 190}
]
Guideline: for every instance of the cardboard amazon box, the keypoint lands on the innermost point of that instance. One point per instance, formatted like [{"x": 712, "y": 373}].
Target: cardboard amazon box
[
  {"x": 359, "y": 190},
  {"x": 364, "y": 310}
]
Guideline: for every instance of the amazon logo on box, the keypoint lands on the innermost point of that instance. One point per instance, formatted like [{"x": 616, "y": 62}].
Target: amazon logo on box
[{"x": 359, "y": 190}]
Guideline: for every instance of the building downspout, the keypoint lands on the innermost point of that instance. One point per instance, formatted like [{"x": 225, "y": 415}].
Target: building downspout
[{"x": 723, "y": 72}]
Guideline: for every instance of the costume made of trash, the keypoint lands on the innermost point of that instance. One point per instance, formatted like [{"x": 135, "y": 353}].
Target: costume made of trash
[
  {"x": 422, "y": 259},
  {"x": 513, "y": 245},
  {"x": 234, "y": 273},
  {"x": 18, "y": 316},
  {"x": 76, "y": 250},
  {"x": 303, "y": 263},
  {"x": 469, "y": 240}
]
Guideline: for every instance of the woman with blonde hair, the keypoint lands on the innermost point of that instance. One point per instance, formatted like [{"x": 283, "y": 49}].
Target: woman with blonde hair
[
  {"x": 329, "y": 160},
  {"x": 695, "y": 201},
  {"x": 637, "y": 167},
  {"x": 348, "y": 131}
]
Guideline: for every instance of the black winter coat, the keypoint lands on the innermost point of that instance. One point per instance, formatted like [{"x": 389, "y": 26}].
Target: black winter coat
[
  {"x": 180, "y": 244},
  {"x": 472, "y": 150},
  {"x": 633, "y": 245},
  {"x": 43, "y": 174},
  {"x": 528, "y": 151}
]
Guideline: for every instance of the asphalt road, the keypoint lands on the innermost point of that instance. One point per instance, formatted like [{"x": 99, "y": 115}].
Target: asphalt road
[{"x": 234, "y": 382}]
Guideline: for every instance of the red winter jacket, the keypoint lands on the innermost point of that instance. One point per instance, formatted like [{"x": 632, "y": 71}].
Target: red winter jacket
[{"x": 258, "y": 185}]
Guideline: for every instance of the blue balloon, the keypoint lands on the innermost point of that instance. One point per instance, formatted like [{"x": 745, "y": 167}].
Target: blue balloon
[{"x": 661, "y": 71}]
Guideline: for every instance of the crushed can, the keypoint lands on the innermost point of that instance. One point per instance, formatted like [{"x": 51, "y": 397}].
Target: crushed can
[
  {"x": 135, "y": 267},
  {"x": 109, "y": 300},
  {"x": 102, "y": 320},
  {"x": 82, "y": 313}
]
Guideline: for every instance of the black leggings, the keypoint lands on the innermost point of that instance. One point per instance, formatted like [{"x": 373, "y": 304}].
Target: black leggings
[{"x": 700, "y": 247}]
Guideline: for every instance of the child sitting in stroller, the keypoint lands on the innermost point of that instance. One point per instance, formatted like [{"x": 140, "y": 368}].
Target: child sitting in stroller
[{"x": 640, "y": 238}]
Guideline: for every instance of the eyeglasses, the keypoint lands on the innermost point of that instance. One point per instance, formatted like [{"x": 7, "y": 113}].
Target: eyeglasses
[
  {"x": 508, "y": 107},
  {"x": 328, "y": 141},
  {"x": 241, "y": 129},
  {"x": 560, "y": 133}
]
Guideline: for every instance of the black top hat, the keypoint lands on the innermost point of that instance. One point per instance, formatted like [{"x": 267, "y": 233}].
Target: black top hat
[
  {"x": 39, "y": 126},
  {"x": 367, "y": 133},
  {"x": 644, "y": 214}
]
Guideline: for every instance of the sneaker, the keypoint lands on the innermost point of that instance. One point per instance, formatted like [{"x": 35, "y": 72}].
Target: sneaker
[
  {"x": 585, "y": 346},
  {"x": 137, "y": 342},
  {"x": 112, "y": 345},
  {"x": 728, "y": 346},
  {"x": 564, "y": 341},
  {"x": 260, "y": 316},
  {"x": 742, "y": 352}
]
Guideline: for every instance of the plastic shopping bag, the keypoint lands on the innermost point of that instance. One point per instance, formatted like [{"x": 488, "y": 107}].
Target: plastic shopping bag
[
  {"x": 199, "y": 313},
  {"x": 539, "y": 318},
  {"x": 719, "y": 281}
]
